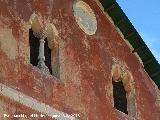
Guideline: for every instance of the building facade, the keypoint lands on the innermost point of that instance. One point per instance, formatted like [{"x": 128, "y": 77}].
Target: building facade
[{"x": 69, "y": 59}]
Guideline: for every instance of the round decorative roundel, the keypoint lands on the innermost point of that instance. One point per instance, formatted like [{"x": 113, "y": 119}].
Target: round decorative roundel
[{"x": 85, "y": 17}]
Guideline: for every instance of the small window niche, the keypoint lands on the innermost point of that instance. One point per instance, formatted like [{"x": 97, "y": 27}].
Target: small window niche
[
  {"x": 123, "y": 90},
  {"x": 119, "y": 95},
  {"x": 34, "y": 43},
  {"x": 44, "y": 46}
]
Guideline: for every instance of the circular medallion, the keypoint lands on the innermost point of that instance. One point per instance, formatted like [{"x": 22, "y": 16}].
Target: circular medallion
[{"x": 85, "y": 17}]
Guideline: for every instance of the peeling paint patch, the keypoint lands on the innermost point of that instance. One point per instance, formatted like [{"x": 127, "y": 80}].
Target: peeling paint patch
[
  {"x": 24, "y": 52},
  {"x": 8, "y": 44}
]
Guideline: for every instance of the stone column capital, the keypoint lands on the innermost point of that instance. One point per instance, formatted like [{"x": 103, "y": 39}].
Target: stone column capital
[{"x": 41, "y": 34}]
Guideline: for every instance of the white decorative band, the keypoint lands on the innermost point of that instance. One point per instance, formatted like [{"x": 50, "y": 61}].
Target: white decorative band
[{"x": 34, "y": 104}]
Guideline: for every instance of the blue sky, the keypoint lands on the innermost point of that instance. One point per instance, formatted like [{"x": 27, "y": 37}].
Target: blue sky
[{"x": 145, "y": 17}]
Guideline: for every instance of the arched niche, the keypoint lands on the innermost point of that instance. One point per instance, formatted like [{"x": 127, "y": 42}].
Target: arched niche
[
  {"x": 49, "y": 33},
  {"x": 120, "y": 73}
]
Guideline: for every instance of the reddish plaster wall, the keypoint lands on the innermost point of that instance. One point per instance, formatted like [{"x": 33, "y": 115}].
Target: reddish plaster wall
[{"x": 85, "y": 63}]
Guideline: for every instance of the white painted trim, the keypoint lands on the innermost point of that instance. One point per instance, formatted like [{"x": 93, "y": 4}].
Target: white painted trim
[{"x": 33, "y": 103}]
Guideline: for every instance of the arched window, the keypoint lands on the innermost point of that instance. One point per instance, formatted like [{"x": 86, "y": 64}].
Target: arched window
[
  {"x": 123, "y": 90},
  {"x": 119, "y": 95},
  {"x": 34, "y": 43},
  {"x": 44, "y": 47}
]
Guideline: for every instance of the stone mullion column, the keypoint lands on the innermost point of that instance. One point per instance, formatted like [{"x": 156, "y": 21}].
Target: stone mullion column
[{"x": 41, "y": 57}]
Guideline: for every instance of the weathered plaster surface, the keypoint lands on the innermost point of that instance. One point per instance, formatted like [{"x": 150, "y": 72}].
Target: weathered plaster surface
[
  {"x": 33, "y": 103},
  {"x": 85, "y": 84},
  {"x": 8, "y": 44}
]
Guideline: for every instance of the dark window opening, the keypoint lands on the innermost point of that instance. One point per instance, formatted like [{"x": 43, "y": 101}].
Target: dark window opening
[
  {"x": 34, "y": 51},
  {"x": 119, "y": 95},
  {"x": 34, "y": 48}
]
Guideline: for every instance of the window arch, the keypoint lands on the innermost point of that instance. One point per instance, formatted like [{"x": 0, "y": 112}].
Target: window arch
[{"x": 123, "y": 89}]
